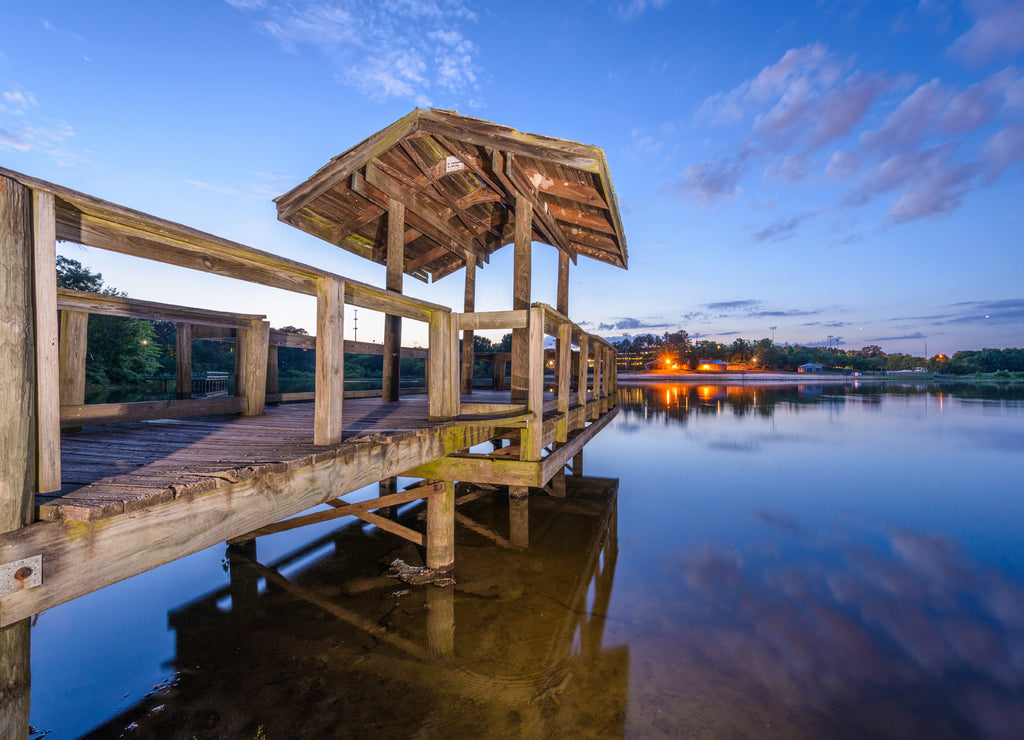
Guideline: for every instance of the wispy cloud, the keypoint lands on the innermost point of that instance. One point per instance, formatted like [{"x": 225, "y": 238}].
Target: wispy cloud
[
  {"x": 630, "y": 324},
  {"x": 998, "y": 32},
  {"x": 635, "y": 8},
  {"x": 746, "y": 308},
  {"x": 412, "y": 49},
  {"x": 214, "y": 188},
  {"x": 22, "y": 127},
  {"x": 935, "y": 142},
  {"x": 779, "y": 230},
  {"x": 710, "y": 181},
  {"x": 914, "y": 335}
]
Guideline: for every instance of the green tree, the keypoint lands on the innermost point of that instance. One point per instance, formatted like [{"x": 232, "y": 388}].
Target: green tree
[{"x": 119, "y": 349}]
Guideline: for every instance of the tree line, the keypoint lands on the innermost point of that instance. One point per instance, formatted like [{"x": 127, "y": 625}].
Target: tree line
[{"x": 677, "y": 348}]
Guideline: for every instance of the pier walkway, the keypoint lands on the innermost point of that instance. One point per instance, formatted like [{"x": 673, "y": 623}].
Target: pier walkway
[{"x": 91, "y": 494}]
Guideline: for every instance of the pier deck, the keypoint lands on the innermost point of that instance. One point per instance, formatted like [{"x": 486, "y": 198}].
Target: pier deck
[{"x": 115, "y": 469}]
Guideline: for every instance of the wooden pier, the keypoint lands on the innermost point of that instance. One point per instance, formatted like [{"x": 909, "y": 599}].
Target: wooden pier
[{"x": 91, "y": 494}]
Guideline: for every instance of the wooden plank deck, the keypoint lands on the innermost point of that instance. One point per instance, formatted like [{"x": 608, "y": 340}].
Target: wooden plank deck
[{"x": 115, "y": 469}]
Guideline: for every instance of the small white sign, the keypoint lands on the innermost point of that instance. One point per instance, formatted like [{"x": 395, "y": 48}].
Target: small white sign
[{"x": 453, "y": 164}]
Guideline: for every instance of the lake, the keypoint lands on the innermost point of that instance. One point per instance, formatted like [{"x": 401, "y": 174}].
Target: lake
[{"x": 731, "y": 560}]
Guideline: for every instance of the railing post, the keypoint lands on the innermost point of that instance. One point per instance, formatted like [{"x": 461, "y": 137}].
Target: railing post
[
  {"x": 74, "y": 339},
  {"x": 330, "y": 361},
  {"x": 598, "y": 356},
  {"x": 443, "y": 386},
  {"x": 17, "y": 445},
  {"x": 183, "y": 361},
  {"x": 533, "y": 436},
  {"x": 564, "y": 366},
  {"x": 257, "y": 340},
  {"x": 613, "y": 380},
  {"x": 273, "y": 383},
  {"x": 581, "y": 388},
  {"x": 44, "y": 239}
]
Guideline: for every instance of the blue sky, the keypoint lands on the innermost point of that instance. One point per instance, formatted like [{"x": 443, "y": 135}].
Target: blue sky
[{"x": 849, "y": 168}]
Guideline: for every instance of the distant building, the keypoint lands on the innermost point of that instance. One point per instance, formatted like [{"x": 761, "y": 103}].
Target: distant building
[
  {"x": 712, "y": 366},
  {"x": 810, "y": 367}
]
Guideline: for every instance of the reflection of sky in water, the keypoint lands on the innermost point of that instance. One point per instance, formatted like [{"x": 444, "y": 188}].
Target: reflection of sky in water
[
  {"x": 811, "y": 561},
  {"x": 851, "y": 563}
]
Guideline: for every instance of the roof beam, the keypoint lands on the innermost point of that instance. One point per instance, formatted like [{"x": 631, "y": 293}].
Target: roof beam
[
  {"x": 568, "y": 190},
  {"x": 516, "y": 179},
  {"x": 580, "y": 218},
  {"x": 426, "y": 258},
  {"x": 462, "y": 215},
  {"x": 421, "y": 206},
  {"x": 428, "y": 227}
]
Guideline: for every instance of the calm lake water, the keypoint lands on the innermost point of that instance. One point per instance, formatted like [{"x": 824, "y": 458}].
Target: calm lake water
[{"x": 795, "y": 561}]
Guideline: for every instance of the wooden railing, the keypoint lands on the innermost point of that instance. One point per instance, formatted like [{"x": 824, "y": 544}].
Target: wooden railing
[
  {"x": 580, "y": 395},
  {"x": 59, "y": 213}
]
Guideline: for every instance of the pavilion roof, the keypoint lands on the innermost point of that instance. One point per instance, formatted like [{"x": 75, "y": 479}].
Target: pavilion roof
[{"x": 458, "y": 178}]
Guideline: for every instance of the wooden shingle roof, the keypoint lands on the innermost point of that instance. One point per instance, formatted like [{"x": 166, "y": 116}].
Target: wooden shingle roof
[{"x": 458, "y": 178}]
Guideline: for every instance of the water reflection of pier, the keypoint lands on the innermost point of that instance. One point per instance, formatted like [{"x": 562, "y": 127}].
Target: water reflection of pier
[
  {"x": 311, "y": 646},
  {"x": 682, "y": 401}
]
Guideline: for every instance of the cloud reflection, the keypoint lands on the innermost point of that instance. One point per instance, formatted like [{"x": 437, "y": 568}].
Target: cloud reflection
[{"x": 911, "y": 619}]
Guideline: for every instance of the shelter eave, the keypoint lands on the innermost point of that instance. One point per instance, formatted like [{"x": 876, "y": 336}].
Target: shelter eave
[{"x": 458, "y": 179}]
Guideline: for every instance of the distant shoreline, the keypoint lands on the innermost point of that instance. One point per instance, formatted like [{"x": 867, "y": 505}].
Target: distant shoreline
[{"x": 752, "y": 377}]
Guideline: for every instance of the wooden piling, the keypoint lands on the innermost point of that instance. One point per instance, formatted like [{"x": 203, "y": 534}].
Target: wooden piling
[
  {"x": 518, "y": 519},
  {"x": 393, "y": 324},
  {"x": 469, "y": 306},
  {"x": 273, "y": 381},
  {"x": 17, "y": 444},
  {"x": 183, "y": 361},
  {"x": 330, "y": 361},
  {"x": 521, "y": 259},
  {"x": 441, "y": 528}
]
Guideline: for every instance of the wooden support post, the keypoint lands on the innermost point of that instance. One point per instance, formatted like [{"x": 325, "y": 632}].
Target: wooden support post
[
  {"x": 498, "y": 372},
  {"x": 577, "y": 464},
  {"x": 440, "y": 620},
  {"x": 273, "y": 382},
  {"x": 393, "y": 324},
  {"x": 443, "y": 388},
  {"x": 564, "y": 366},
  {"x": 17, "y": 417},
  {"x": 562, "y": 299},
  {"x": 183, "y": 361},
  {"x": 533, "y": 436},
  {"x": 595, "y": 409},
  {"x": 469, "y": 306},
  {"x": 74, "y": 337},
  {"x": 253, "y": 343},
  {"x": 583, "y": 369},
  {"x": 330, "y": 361},
  {"x": 518, "y": 517},
  {"x": 441, "y": 528},
  {"x": 521, "y": 296},
  {"x": 44, "y": 258}
]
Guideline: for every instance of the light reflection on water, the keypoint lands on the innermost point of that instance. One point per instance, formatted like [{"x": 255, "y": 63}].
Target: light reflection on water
[{"x": 797, "y": 561}]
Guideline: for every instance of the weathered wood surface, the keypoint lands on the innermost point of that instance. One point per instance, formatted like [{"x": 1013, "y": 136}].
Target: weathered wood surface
[
  {"x": 460, "y": 179},
  {"x": 112, "y": 305},
  {"x": 44, "y": 238},
  {"x": 17, "y": 445},
  {"x": 393, "y": 282},
  {"x": 17, "y": 357},
  {"x": 207, "y": 480}
]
